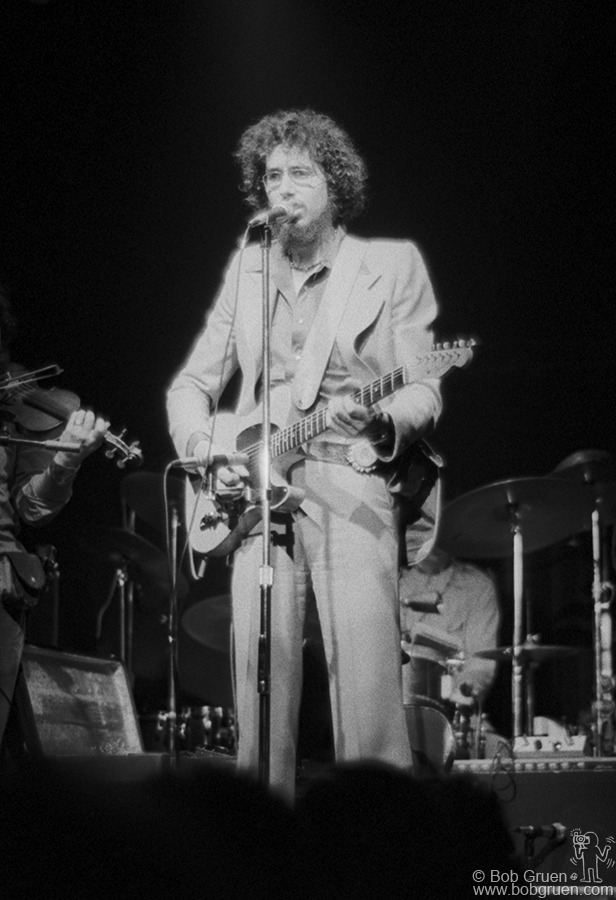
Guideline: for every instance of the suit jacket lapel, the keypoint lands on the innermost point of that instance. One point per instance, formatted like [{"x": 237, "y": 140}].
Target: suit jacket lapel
[{"x": 320, "y": 341}]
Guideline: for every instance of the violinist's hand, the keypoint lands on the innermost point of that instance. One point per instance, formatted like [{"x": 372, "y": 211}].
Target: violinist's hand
[{"x": 87, "y": 430}]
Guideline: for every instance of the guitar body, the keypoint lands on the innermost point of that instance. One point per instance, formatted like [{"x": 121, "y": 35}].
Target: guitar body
[{"x": 218, "y": 522}]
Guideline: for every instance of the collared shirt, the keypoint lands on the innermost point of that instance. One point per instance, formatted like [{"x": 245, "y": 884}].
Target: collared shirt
[{"x": 293, "y": 314}]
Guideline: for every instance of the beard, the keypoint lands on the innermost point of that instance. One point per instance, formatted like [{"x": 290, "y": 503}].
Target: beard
[{"x": 294, "y": 236}]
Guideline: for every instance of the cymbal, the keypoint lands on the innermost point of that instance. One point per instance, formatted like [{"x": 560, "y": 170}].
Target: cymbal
[
  {"x": 529, "y": 653},
  {"x": 144, "y": 492},
  {"x": 145, "y": 563},
  {"x": 589, "y": 466},
  {"x": 479, "y": 524},
  {"x": 596, "y": 470},
  {"x": 209, "y": 622}
]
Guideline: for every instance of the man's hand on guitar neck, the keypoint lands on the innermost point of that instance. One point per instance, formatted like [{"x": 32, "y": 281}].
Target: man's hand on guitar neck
[{"x": 351, "y": 419}]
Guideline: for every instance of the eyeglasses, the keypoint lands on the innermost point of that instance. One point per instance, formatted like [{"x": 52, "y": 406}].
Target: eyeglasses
[{"x": 299, "y": 175}]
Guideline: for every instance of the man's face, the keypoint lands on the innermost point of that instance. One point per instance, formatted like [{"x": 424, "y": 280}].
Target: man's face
[{"x": 292, "y": 177}]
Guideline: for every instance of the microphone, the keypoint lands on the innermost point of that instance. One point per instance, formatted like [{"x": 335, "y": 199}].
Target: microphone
[
  {"x": 216, "y": 459},
  {"x": 556, "y": 831},
  {"x": 282, "y": 212}
]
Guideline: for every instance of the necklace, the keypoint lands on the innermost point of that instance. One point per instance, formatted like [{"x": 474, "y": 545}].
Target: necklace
[{"x": 297, "y": 268}]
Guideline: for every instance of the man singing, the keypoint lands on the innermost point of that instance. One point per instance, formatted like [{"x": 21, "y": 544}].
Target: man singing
[{"x": 344, "y": 312}]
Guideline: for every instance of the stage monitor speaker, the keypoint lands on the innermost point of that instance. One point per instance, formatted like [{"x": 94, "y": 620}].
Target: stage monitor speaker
[
  {"x": 72, "y": 705},
  {"x": 579, "y": 794}
]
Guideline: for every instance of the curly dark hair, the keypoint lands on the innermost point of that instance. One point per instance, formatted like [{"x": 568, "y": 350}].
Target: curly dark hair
[{"x": 327, "y": 144}]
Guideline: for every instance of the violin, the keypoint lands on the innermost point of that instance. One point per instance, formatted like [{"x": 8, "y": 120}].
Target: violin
[{"x": 37, "y": 409}]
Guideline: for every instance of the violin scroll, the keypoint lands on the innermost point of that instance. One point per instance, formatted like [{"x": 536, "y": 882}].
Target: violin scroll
[{"x": 122, "y": 452}]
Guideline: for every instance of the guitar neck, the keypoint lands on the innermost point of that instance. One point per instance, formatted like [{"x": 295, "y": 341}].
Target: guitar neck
[
  {"x": 316, "y": 423},
  {"x": 437, "y": 362}
]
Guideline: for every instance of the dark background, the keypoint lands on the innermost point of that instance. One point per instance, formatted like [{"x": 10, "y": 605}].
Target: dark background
[{"x": 485, "y": 127}]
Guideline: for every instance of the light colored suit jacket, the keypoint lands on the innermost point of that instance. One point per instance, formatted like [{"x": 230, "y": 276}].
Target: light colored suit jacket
[{"x": 378, "y": 307}]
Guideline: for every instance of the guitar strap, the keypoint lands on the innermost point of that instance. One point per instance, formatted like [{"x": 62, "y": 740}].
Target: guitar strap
[{"x": 318, "y": 347}]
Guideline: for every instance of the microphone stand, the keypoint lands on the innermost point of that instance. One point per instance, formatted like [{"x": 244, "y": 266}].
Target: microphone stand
[
  {"x": 266, "y": 572},
  {"x": 172, "y": 638}
]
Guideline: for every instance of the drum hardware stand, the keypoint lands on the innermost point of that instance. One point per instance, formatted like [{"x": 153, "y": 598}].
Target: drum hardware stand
[
  {"x": 121, "y": 584},
  {"x": 522, "y": 680},
  {"x": 124, "y": 586},
  {"x": 518, "y": 679},
  {"x": 461, "y": 728},
  {"x": 518, "y": 623},
  {"x": 530, "y": 694},
  {"x": 603, "y": 706}
]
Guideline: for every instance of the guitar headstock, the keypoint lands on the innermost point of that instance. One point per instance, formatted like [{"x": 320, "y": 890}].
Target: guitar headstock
[
  {"x": 459, "y": 351},
  {"x": 442, "y": 357}
]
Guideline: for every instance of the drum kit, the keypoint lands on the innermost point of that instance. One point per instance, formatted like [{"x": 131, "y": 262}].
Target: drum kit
[{"x": 519, "y": 516}]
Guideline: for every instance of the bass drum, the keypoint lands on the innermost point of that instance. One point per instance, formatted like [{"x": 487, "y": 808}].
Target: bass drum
[{"x": 431, "y": 735}]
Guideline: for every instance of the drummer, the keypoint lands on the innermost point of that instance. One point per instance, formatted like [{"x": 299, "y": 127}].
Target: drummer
[{"x": 449, "y": 611}]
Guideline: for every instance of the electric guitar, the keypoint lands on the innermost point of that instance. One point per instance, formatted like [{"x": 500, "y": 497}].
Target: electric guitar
[{"x": 217, "y": 521}]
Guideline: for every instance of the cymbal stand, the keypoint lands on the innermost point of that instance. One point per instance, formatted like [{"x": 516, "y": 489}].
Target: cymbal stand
[
  {"x": 518, "y": 621},
  {"x": 122, "y": 585},
  {"x": 531, "y": 666},
  {"x": 603, "y": 706}
]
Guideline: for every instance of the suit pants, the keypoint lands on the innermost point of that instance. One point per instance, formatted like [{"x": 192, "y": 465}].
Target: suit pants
[{"x": 347, "y": 554}]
